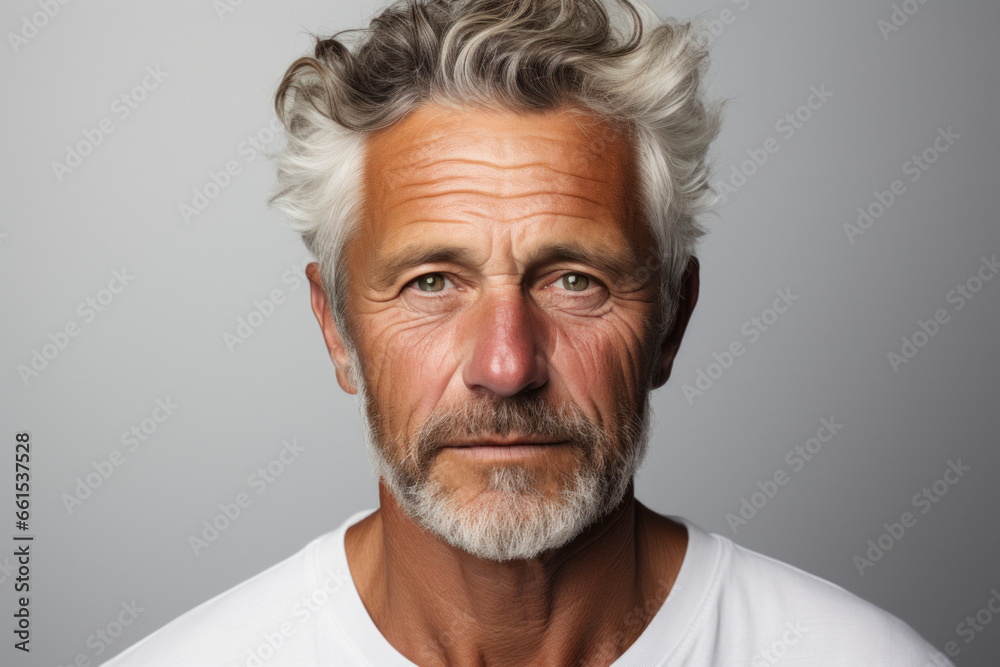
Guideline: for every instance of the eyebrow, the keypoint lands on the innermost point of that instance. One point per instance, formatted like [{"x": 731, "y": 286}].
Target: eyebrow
[
  {"x": 620, "y": 270},
  {"x": 412, "y": 256}
]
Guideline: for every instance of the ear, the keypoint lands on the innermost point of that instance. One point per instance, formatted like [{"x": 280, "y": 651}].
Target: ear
[
  {"x": 334, "y": 343},
  {"x": 672, "y": 341}
]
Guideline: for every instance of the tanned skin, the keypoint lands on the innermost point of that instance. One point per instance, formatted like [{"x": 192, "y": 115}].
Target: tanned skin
[{"x": 504, "y": 318}]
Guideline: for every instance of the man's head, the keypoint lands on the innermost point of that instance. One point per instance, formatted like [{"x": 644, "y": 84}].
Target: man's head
[{"x": 502, "y": 199}]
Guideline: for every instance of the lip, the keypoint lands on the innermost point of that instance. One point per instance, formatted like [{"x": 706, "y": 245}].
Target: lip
[{"x": 515, "y": 449}]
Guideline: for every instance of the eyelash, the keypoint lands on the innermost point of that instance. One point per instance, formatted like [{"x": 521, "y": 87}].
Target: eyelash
[
  {"x": 441, "y": 293},
  {"x": 432, "y": 295}
]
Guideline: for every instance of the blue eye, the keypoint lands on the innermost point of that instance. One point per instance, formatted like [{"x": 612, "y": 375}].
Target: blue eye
[{"x": 575, "y": 282}]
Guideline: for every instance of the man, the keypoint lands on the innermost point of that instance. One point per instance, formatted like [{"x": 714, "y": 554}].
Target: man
[{"x": 502, "y": 197}]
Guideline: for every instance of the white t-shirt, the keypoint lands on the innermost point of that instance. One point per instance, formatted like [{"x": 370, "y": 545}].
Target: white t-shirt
[{"x": 729, "y": 606}]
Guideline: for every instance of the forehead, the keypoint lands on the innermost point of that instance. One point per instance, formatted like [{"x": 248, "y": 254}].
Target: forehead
[
  {"x": 497, "y": 166},
  {"x": 567, "y": 138}
]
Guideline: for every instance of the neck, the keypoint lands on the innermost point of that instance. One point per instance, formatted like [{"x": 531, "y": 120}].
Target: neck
[{"x": 584, "y": 603}]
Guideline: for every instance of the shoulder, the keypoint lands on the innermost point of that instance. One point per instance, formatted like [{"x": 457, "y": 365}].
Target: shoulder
[
  {"x": 268, "y": 611},
  {"x": 773, "y": 609}
]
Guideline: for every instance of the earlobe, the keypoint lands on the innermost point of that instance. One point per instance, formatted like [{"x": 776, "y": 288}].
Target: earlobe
[
  {"x": 334, "y": 343},
  {"x": 672, "y": 340}
]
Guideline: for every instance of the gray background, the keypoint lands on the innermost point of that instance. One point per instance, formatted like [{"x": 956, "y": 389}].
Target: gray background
[{"x": 163, "y": 335}]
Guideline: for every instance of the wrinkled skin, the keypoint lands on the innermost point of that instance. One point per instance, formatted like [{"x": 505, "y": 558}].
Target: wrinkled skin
[{"x": 542, "y": 294}]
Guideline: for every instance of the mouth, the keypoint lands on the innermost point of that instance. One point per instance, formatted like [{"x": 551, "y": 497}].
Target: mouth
[{"x": 511, "y": 449}]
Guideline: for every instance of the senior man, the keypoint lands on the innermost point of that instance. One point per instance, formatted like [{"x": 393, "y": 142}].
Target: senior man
[{"x": 502, "y": 196}]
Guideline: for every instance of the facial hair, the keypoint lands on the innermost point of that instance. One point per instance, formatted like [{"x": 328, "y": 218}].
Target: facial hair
[{"x": 513, "y": 519}]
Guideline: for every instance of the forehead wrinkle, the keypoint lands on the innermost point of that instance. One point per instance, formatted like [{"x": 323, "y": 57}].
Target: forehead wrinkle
[
  {"x": 568, "y": 164},
  {"x": 494, "y": 195},
  {"x": 440, "y": 169},
  {"x": 555, "y": 184},
  {"x": 431, "y": 163},
  {"x": 429, "y": 147},
  {"x": 468, "y": 207}
]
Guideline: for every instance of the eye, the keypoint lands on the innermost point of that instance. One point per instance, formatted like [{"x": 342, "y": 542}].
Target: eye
[
  {"x": 575, "y": 282},
  {"x": 431, "y": 282},
  {"x": 573, "y": 292}
]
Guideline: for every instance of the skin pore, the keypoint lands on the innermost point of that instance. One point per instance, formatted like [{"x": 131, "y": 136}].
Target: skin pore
[{"x": 499, "y": 255}]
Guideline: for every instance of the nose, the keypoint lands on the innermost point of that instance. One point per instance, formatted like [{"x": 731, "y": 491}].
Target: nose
[{"x": 505, "y": 356}]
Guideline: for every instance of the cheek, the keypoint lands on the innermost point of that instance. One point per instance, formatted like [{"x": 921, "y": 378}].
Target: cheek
[
  {"x": 600, "y": 365},
  {"x": 411, "y": 363},
  {"x": 409, "y": 366}
]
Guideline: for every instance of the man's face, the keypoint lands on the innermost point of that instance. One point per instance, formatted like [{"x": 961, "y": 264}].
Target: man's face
[{"x": 497, "y": 298}]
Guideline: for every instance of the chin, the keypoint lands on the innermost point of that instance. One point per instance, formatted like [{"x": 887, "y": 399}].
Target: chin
[{"x": 511, "y": 519}]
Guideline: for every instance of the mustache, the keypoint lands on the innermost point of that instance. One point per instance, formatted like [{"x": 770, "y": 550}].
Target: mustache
[{"x": 526, "y": 414}]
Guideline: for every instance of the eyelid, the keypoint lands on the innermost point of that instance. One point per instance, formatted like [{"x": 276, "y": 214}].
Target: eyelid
[
  {"x": 444, "y": 274},
  {"x": 595, "y": 282}
]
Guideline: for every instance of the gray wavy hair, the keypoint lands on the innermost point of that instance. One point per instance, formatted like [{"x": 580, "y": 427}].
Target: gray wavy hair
[{"x": 614, "y": 59}]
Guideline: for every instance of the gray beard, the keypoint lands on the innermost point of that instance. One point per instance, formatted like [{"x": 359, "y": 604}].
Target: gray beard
[{"x": 513, "y": 519}]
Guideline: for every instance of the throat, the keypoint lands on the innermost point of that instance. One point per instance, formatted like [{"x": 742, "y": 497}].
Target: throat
[{"x": 590, "y": 600}]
